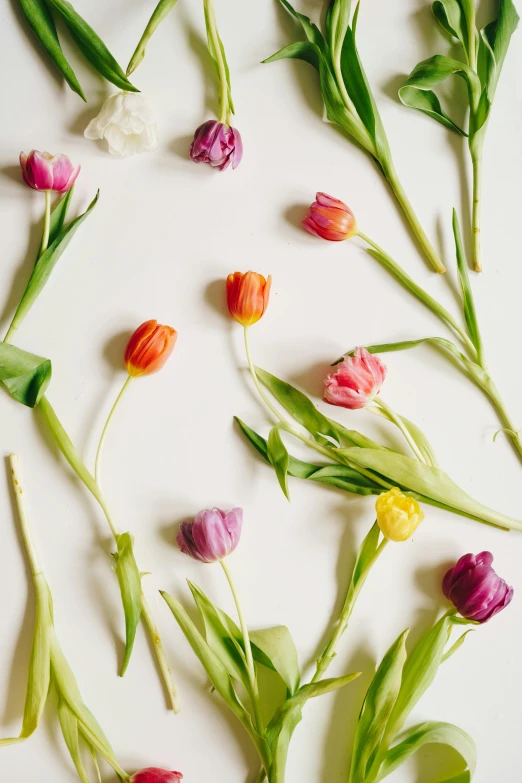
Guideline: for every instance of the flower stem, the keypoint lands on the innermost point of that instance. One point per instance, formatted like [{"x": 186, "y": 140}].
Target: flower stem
[
  {"x": 407, "y": 208},
  {"x": 475, "y": 225},
  {"x": 159, "y": 652},
  {"x": 217, "y": 54},
  {"x": 390, "y": 413},
  {"x": 106, "y": 427},
  {"x": 254, "y": 690},
  {"x": 47, "y": 223},
  {"x": 397, "y": 271},
  {"x": 14, "y": 462},
  {"x": 351, "y": 597}
]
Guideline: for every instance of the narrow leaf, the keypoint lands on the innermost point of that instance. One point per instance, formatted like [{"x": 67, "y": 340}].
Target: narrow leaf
[
  {"x": 278, "y": 456},
  {"x": 416, "y": 433},
  {"x": 467, "y": 294},
  {"x": 311, "y": 30},
  {"x": 301, "y": 50},
  {"x": 498, "y": 36},
  {"x": 91, "y": 45},
  {"x": 453, "y": 649},
  {"x": 42, "y": 24},
  {"x": 161, "y": 11},
  {"x": 46, "y": 263},
  {"x": 69, "y": 726},
  {"x": 357, "y": 85},
  {"x": 129, "y": 579},
  {"x": 25, "y": 375}
]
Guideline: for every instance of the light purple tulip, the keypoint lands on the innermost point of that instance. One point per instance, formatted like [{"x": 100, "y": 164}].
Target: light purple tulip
[
  {"x": 43, "y": 171},
  {"x": 212, "y": 535},
  {"x": 217, "y": 144},
  {"x": 475, "y": 589}
]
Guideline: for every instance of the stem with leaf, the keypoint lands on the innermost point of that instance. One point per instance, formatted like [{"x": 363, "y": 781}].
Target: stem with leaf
[{"x": 217, "y": 52}]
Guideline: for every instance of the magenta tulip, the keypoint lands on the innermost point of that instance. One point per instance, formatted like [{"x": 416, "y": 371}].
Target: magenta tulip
[
  {"x": 212, "y": 535},
  {"x": 475, "y": 589},
  {"x": 156, "y": 775},
  {"x": 43, "y": 171},
  {"x": 217, "y": 144},
  {"x": 357, "y": 380}
]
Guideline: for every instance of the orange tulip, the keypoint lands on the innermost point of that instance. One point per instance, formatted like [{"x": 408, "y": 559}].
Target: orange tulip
[
  {"x": 149, "y": 348},
  {"x": 247, "y": 296}
]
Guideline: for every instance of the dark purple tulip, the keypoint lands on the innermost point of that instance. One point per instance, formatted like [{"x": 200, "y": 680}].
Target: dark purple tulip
[
  {"x": 213, "y": 534},
  {"x": 217, "y": 144},
  {"x": 475, "y": 589}
]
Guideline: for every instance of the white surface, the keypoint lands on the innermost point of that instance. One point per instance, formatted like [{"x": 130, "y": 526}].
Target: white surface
[{"x": 159, "y": 244}]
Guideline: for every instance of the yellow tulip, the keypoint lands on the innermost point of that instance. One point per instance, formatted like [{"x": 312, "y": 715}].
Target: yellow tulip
[{"x": 398, "y": 516}]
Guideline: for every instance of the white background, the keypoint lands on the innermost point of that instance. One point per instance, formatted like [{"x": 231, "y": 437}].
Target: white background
[{"x": 159, "y": 245}]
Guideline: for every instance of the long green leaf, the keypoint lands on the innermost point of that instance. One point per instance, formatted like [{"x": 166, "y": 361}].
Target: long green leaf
[
  {"x": 497, "y": 36},
  {"x": 275, "y": 649},
  {"x": 429, "y": 733},
  {"x": 161, "y": 11},
  {"x": 378, "y": 704},
  {"x": 92, "y": 46},
  {"x": 357, "y": 85},
  {"x": 69, "y": 726},
  {"x": 129, "y": 579},
  {"x": 278, "y": 456},
  {"x": 299, "y": 406},
  {"x": 42, "y": 24},
  {"x": 311, "y": 30},
  {"x": 25, "y": 375},
  {"x": 467, "y": 294},
  {"x": 451, "y": 17},
  {"x": 337, "y": 24},
  {"x": 39, "y": 665},
  {"x": 58, "y": 215},
  {"x": 416, "y": 433},
  {"x": 301, "y": 50},
  {"x": 45, "y": 265}
]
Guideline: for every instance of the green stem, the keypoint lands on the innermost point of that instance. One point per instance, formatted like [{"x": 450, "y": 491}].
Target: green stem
[
  {"x": 497, "y": 400},
  {"x": 351, "y": 597},
  {"x": 14, "y": 462},
  {"x": 407, "y": 208},
  {"x": 213, "y": 36},
  {"x": 475, "y": 223},
  {"x": 159, "y": 652},
  {"x": 47, "y": 223},
  {"x": 395, "y": 269},
  {"x": 254, "y": 690},
  {"x": 308, "y": 440},
  {"x": 390, "y": 413},
  {"x": 106, "y": 427}
]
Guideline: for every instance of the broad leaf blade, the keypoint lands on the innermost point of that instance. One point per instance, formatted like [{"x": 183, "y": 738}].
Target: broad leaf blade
[
  {"x": 497, "y": 36},
  {"x": 161, "y": 11},
  {"x": 278, "y": 456},
  {"x": 45, "y": 265},
  {"x": 416, "y": 433},
  {"x": 129, "y": 579},
  {"x": 91, "y": 45},
  {"x": 25, "y": 375},
  {"x": 275, "y": 649},
  {"x": 451, "y": 17},
  {"x": 42, "y": 24},
  {"x": 357, "y": 85}
]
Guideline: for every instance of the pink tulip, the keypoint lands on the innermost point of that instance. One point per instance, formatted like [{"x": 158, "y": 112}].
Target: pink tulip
[
  {"x": 43, "y": 171},
  {"x": 217, "y": 144},
  {"x": 156, "y": 775},
  {"x": 212, "y": 535},
  {"x": 357, "y": 380},
  {"x": 330, "y": 219},
  {"x": 475, "y": 589}
]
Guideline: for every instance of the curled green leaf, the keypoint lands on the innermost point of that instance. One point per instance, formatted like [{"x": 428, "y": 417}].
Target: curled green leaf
[
  {"x": 25, "y": 376},
  {"x": 129, "y": 579}
]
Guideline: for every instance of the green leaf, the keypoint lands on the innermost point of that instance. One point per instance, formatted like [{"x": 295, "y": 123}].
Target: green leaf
[
  {"x": 358, "y": 88},
  {"x": 340, "y": 476},
  {"x": 467, "y": 294},
  {"x": 301, "y": 50},
  {"x": 161, "y": 11},
  {"x": 91, "y": 45},
  {"x": 311, "y": 30},
  {"x": 25, "y": 375},
  {"x": 210, "y": 24},
  {"x": 69, "y": 726},
  {"x": 458, "y": 644},
  {"x": 58, "y": 215},
  {"x": 129, "y": 579},
  {"x": 354, "y": 438},
  {"x": 430, "y": 482},
  {"x": 451, "y": 17},
  {"x": 428, "y": 733},
  {"x": 496, "y": 38},
  {"x": 275, "y": 649},
  {"x": 278, "y": 456},
  {"x": 42, "y": 24},
  {"x": 39, "y": 665},
  {"x": 46, "y": 263},
  {"x": 418, "y": 436},
  {"x": 378, "y": 704},
  {"x": 299, "y": 406},
  {"x": 416, "y": 90},
  {"x": 337, "y": 24}
]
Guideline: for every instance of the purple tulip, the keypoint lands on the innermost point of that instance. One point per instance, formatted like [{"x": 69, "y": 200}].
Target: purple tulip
[
  {"x": 213, "y": 534},
  {"x": 217, "y": 144},
  {"x": 475, "y": 589},
  {"x": 43, "y": 171}
]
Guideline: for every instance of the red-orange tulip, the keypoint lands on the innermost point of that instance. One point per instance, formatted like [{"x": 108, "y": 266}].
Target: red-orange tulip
[
  {"x": 247, "y": 296},
  {"x": 149, "y": 348}
]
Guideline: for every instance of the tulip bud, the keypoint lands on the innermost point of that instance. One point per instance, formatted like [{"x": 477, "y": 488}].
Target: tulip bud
[
  {"x": 330, "y": 219},
  {"x": 43, "y": 171},
  {"x": 212, "y": 535},
  {"x": 398, "y": 516},
  {"x": 356, "y": 382},
  {"x": 475, "y": 589},
  {"x": 149, "y": 348},
  {"x": 217, "y": 144},
  {"x": 247, "y": 296},
  {"x": 156, "y": 775}
]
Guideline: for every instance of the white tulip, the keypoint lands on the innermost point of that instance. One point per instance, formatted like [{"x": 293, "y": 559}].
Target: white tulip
[{"x": 128, "y": 124}]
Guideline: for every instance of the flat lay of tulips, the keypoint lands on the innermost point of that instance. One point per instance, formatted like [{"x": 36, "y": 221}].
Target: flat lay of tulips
[{"x": 255, "y": 680}]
